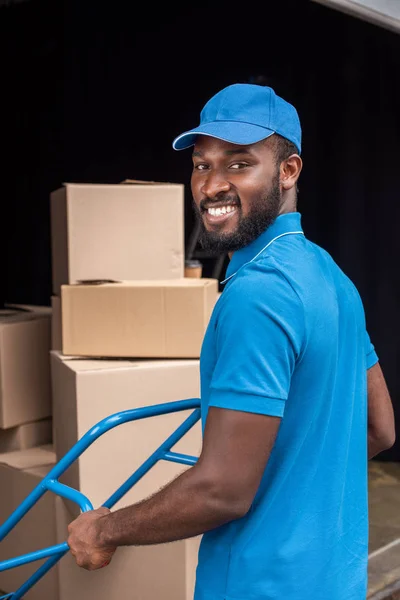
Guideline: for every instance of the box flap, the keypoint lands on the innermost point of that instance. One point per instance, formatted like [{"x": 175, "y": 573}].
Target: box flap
[
  {"x": 124, "y": 182},
  {"x": 144, "y": 283},
  {"x": 79, "y": 364},
  {"x": 28, "y": 459},
  {"x": 141, "y": 182},
  {"x": 11, "y": 316},
  {"x": 40, "y": 471}
]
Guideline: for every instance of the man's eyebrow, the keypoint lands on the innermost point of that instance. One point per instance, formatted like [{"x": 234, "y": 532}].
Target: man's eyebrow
[
  {"x": 237, "y": 151},
  {"x": 197, "y": 153}
]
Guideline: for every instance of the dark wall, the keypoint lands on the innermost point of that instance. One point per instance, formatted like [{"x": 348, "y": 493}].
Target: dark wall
[{"x": 96, "y": 93}]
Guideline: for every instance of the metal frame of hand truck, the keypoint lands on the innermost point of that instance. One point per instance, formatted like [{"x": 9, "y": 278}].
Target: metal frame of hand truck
[{"x": 51, "y": 483}]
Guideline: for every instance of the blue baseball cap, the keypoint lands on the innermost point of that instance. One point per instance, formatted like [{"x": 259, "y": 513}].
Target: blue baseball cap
[{"x": 244, "y": 113}]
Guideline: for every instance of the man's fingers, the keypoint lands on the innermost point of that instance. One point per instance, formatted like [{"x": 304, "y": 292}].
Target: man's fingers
[
  {"x": 83, "y": 541},
  {"x": 91, "y": 562},
  {"x": 71, "y": 545},
  {"x": 80, "y": 561}
]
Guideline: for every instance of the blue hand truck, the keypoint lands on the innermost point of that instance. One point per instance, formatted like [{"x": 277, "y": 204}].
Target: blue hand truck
[{"x": 51, "y": 483}]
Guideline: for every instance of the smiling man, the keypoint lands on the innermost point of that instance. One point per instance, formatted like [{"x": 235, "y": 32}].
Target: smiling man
[
  {"x": 231, "y": 221},
  {"x": 293, "y": 397}
]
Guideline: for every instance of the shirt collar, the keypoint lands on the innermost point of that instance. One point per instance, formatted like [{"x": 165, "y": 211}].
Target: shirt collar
[{"x": 282, "y": 224}]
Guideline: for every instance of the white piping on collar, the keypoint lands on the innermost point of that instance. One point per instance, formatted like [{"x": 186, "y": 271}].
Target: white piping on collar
[{"x": 261, "y": 251}]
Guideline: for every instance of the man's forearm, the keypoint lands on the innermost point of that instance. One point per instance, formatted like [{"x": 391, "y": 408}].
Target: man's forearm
[{"x": 187, "y": 507}]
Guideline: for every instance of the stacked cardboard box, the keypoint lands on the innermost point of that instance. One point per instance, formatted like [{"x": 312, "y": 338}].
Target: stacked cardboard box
[
  {"x": 25, "y": 426},
  {"x": 86, "y": 391},
  {"x": 118, "y": 265},
  {"x": 116, "y": 232},
  {"x": 25, "y": 403},
  {"x": 127, "y": 332},
  {"x": 145, "y": 319},
  {"x": 20, "y": 473}
]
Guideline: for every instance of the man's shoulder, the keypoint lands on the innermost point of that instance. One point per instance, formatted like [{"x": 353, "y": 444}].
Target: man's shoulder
[{"x": 260, "y": 282}]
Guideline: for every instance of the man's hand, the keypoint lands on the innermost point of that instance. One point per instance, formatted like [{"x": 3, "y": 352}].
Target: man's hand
[{"x": 85, "y": 540}]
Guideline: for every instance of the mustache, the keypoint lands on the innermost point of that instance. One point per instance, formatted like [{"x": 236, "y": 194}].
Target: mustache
[{"x": 230, "y": 200}]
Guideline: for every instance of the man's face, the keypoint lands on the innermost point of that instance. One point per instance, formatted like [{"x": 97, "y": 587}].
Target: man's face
[{"x": 236, "y": 192}]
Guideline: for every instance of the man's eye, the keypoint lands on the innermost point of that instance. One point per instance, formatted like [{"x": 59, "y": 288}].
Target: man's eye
[
  {"x": 238, "y": 165},
  {"x": 200, "y": 167}
]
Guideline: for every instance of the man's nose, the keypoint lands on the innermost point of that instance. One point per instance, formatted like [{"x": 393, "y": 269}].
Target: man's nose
[{"x": 214, "y": 184}]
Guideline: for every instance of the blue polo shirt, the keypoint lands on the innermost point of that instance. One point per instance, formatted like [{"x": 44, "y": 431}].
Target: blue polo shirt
[{"x": 287, "y": 338}]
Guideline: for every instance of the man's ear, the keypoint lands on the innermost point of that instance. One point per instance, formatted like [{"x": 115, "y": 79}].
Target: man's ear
[{"x": 289, "y": 171}]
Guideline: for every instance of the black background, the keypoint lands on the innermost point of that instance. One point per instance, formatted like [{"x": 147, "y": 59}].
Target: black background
[{"x": 95, "y": 92}]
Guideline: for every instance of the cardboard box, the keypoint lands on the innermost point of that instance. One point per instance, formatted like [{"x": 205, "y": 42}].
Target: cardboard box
[
  {"x": 166, "y": 571},
  {"x": 18, "y": 476},
  {"x": 117, "y": 232},
  {"x": 56, "y": 327},
  {"x": 24, "y": 367},
  {"x": 158, "y": 319},
  {"x": 87, "y": 391},
  {"x": 26, "y": 436}
]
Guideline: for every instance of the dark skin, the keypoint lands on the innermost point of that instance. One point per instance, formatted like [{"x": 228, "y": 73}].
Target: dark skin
[
  {"x": 236, "y": 446},
  {"x": 221, "y": 169},
  {"x": 381, "y": 426}
]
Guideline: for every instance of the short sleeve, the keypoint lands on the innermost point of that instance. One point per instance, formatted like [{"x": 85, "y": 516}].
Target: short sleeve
[
  {"x": 372, "y": 357},
  {"x": 259, "y": 336}
]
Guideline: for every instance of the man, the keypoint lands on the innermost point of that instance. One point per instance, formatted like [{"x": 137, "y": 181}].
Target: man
[{"x": 280, "y": 488}]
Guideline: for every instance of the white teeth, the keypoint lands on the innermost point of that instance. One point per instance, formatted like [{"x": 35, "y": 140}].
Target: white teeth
[{"x": 223, "y": 210}]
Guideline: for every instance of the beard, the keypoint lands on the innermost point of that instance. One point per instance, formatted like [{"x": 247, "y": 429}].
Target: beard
[{"x": 262, "y": 214}]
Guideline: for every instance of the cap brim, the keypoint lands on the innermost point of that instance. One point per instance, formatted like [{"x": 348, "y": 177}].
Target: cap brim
[{"x": 228, "y": 131}]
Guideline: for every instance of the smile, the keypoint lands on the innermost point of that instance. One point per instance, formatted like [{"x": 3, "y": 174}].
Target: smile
[
  {"x": 219, "y": 215},
  {"x": 222, "y": 210}
]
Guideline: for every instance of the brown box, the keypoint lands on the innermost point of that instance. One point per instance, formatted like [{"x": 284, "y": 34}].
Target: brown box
[
  {"x": 117, "y": 232},
  {"x": 56, "y": 328},
  {"x": 166, "y": 571},
  {"x": 146, "y": 319},
  {"x": 24, "y": 366},
  {"x": 28, "y": 435},
  {"x": 87, "y": 391},
  {"x": 20, "y": 472}
]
